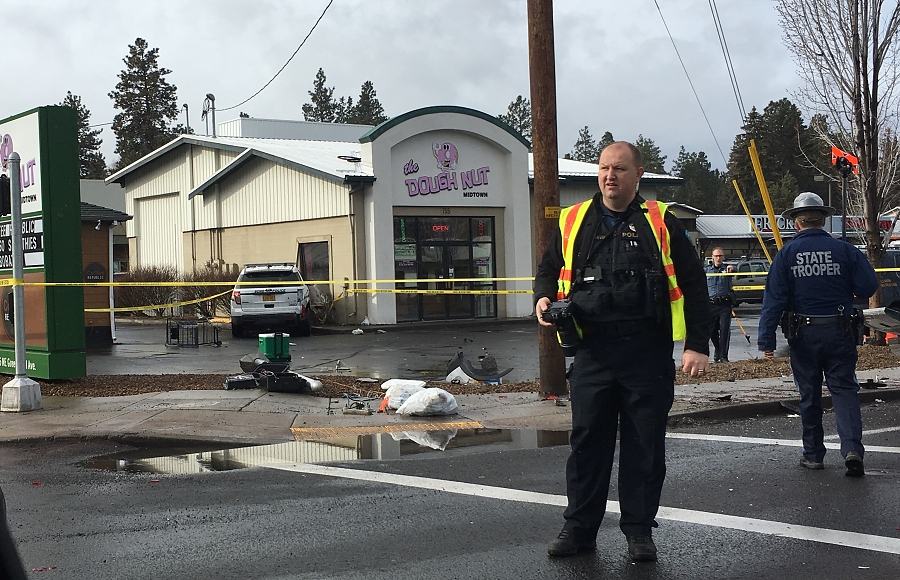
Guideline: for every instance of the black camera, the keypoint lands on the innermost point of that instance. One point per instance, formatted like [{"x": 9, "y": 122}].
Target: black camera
[{"x": 560, "y": 314}]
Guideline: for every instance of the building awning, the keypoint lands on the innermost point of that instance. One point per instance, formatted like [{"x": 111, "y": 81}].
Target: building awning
[{"x": 97, "y": 213}]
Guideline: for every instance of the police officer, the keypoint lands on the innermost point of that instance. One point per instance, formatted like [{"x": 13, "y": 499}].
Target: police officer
[
  {"x": 635, "y": 285},
  {"x": 814, "y": 279},
  {"x": 720, "y": 301},
  {"x": 10, "y": 564}
]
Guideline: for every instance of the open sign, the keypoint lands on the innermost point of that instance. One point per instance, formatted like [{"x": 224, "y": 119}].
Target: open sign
[{"x": 440, "y": 228}]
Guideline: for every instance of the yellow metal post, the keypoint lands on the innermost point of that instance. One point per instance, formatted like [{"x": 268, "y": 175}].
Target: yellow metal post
[
  {"x": 750, "y": 218},
  {"x": 764, "y": 191}
]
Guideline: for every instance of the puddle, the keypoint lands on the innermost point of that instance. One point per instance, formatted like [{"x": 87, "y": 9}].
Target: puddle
[{"x": 381, "y": 447}]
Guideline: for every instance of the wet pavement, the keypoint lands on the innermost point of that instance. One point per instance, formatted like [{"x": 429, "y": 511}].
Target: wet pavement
[
  {"x": 422, "y": 351},
  {"x": 736, "y": 504}
]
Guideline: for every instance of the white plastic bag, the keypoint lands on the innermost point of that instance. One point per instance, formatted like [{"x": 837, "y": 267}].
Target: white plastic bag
[
  {"x": 433, "y": 439},
  {"x": 429, "y": 402},
  {"x": 398, "y": 390}
]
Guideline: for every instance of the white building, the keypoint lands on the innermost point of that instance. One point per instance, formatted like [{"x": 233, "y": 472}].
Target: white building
[{"x": 439, "y": 192}]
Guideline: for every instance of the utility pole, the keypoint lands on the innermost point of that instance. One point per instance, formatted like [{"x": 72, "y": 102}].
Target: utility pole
[{"x": 542, "y": 69}]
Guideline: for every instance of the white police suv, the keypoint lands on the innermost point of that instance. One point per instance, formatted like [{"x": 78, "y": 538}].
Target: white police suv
[{"x": 257, "y": 303}]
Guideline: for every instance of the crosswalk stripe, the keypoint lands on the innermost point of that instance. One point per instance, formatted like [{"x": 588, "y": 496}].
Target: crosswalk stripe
[
  {"x": 764, "y": 441},
  {"x": 767, "y": 527}
]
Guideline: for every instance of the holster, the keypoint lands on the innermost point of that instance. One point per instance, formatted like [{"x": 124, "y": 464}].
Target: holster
[
  {"x": 790, "y": 324},
  {"x": 854, "y": 325}
]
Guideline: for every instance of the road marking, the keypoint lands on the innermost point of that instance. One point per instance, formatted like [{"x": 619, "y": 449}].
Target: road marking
[
  {"x": 869, "y": 432},
  {"x": 767, "y": 527},
  {"x": 763, "y": 441}
]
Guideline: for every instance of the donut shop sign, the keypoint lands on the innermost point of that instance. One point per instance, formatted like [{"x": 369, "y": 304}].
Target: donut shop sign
[{"x": 448, "y": 176}]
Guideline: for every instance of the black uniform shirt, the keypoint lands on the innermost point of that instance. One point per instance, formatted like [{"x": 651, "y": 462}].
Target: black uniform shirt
[{"x": 691, "y": 278}]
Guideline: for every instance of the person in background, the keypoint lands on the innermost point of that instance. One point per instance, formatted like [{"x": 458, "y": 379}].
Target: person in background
[
  {"x": 813, "y": 282},
  {"x": 720, "y": 304},
  {"x": 636, "y": 285}
]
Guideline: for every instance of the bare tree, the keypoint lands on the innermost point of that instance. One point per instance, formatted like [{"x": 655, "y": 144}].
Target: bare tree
[{"x": 847, "y": 54}]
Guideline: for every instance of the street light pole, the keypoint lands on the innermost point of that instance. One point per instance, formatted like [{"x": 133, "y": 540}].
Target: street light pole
[{"x": 21, "y": 393}]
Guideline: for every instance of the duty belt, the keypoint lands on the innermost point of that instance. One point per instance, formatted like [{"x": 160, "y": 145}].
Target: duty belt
[{"x": 816, "y": 320}]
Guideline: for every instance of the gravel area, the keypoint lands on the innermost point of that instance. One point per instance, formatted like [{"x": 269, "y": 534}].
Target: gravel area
[{"x": 870, "y": 357}]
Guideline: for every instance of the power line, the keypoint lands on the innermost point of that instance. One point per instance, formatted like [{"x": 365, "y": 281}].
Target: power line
[
  {"x": 729, "y": 64},
  {"x": 308, "y": 34},
  {"x": 99, "y": 125},
  {"x": 690, "y": 82}
]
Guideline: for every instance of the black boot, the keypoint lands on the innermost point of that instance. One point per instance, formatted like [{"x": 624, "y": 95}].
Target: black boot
[
  {"x": 641, "y": 548},
  {"x": 567, "y": 544}
]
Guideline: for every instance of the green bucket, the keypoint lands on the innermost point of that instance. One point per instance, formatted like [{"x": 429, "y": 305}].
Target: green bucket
[{"x": 275, "y": 346}]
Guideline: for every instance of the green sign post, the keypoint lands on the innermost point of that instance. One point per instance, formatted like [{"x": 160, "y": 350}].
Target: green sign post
[{"x": 46, "y": 140}]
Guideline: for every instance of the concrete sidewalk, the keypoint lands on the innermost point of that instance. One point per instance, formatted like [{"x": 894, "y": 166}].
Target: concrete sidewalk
[{"x": 256, "y": 417}]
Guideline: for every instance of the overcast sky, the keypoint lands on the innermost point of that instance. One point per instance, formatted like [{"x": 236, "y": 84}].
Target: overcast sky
[{"x": 616, "y": 68}]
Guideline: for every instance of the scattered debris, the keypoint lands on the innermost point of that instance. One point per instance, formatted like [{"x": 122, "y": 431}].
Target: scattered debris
[
  {"x": 357, "y": 331},
  {"x": 724, "y": 398},
  {"x": 458, "y": 377},
  {"x": 355, "y": 404},
  {"x": 872, "y": 384},
  {"x": 366, "y": 380},
  {"x": 381, "y": 331},
  {"x": 488, "y": 372}
]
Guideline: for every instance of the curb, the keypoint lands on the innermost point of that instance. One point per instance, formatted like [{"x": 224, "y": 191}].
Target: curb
[{"x": 770, "y": 407}]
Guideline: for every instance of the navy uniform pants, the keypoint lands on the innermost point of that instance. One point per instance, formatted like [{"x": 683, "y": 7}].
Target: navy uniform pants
[
  {"x": 10, "y": 565},
  {"x": 623, "y": 385},
  {"x": 827, "y": 350},
  {"x": 721, "y": 330}
]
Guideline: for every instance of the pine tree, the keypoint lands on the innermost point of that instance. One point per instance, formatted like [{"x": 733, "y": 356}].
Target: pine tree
[
  {"x": 585, "y": 148},
  {"x": 654, "y": 160},
  {"x": 605, "y": 141},
  {"x": 147, "y": 104},
  {"x": 368, "y": 109},
  {"x": 703, "y": 186},
  {"x": 344, "y": 110},
  {"x": 323, "y": 106},
  {"x": 92, "y": 161},
  {"x": 518, "y": 116},
  {"x": 786, "y": 146}
]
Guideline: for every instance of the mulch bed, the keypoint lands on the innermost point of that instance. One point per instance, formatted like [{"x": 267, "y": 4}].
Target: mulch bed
[{"x": 870, "y": 357}]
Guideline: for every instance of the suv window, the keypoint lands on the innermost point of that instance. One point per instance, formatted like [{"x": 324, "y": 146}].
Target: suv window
[
  {"x": 758, "y": 267},
  {"x": 264, "y": 276},
  {"x": 745, "y": 267}
]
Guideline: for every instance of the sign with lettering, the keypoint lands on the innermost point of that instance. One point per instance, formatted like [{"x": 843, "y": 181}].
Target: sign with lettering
[
  {"x": 449, "y": 168},
  {"x": 45, "y": 139}
]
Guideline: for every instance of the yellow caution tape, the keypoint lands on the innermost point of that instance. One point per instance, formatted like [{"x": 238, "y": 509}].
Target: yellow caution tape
[
  {"x": 11, "y": 281},
  {"x": 423, "y": 291},
  {"x": 157, "y": 306},
  {"x": 748, "y": 288},
  {"x": 163, "y": 284}
]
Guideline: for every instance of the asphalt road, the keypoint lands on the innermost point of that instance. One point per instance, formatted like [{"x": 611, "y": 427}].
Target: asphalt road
[
  {"x": 421, "y": 352},
  {"x": 733, "y": 508}
]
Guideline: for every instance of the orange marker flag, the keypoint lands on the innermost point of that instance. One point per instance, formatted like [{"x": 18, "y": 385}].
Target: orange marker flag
[{"x": 838, "y": 153}]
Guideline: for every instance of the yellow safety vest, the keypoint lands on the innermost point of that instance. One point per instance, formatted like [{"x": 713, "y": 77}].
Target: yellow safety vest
[{"x": 570, "y": 220}]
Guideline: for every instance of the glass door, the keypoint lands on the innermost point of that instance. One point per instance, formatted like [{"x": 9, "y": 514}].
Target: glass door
[
  {"x": 445, "y": 262},
  {"x": 432, "y": 265}
]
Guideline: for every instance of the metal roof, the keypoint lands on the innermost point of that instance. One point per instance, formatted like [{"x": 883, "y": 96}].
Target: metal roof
[
  {"x": 91, "y": 212},
  {"x": 577, "y": 170},
  {"x": 322, "y": 157}
]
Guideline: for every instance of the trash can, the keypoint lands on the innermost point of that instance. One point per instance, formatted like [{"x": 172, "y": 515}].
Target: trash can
[{"x": 275, "y": 346}]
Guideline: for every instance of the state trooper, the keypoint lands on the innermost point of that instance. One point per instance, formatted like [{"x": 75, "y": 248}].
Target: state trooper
[
  {"x": 810, "y": 289},
  {"x": 628, "y": 271}
]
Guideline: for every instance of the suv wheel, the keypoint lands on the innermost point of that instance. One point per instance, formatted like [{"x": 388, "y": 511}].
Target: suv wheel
[
  {"x": 303, "y": 328},
  {"x": 237, "y": 330}
]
